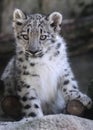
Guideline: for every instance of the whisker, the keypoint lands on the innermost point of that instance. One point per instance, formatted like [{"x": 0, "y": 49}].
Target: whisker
[
  {"x": 38, "y": 54},
  {"x": 28, "y": 53}
]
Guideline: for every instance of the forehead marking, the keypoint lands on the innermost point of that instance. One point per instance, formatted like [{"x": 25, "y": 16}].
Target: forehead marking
[{"x": 35, "y": 23}]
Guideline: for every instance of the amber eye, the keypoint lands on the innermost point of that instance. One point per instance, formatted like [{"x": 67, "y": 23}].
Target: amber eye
[
  {"x": 43, "y": 37},
  {"x": 25, "y": 37}
]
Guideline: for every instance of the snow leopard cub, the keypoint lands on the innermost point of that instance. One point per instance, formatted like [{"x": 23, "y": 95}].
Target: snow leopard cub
[{"x": 40, "y": 73}]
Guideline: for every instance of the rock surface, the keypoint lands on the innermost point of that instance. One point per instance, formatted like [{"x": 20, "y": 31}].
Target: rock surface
[{"x": 52, "y": 122}]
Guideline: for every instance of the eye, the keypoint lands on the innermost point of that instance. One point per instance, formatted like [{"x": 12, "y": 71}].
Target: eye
[
  {"x": 43, "y": 37},
  {"x": 25, "y": 37}
]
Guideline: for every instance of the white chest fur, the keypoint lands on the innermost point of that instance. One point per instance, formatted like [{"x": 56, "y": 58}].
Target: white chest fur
[
  {"x": 45, "y": 74},
  {"x": 43, "y": 77}
]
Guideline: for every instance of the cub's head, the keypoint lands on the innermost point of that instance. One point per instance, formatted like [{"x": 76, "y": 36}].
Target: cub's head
[{"x": 35, "y": 33}]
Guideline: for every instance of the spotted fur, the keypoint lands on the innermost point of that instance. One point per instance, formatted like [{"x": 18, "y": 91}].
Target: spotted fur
[{"x": 40, "y": 73}]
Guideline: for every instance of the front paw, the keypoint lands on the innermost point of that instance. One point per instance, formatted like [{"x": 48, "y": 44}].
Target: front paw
[{"x": 87, "y": 102}]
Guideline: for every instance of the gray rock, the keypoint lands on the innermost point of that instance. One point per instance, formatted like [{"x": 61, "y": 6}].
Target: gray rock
[{"x": 52, "y": 122}]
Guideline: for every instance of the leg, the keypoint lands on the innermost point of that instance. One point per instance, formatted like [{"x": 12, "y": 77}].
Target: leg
[
  {"x": 30, "y": 102},
  {"x": 70, "y": 89}
]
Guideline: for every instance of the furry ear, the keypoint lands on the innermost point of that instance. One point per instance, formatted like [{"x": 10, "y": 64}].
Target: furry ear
[
  {"x": 55, "y": 20},
  {"x": 18, "y": 16}
]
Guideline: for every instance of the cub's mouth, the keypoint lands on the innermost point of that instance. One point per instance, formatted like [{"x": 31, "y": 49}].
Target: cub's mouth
[{"x": 36, "y": 54}]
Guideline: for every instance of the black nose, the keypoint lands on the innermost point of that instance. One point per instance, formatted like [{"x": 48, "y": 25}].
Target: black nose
[{"x": 33, "y": 51}]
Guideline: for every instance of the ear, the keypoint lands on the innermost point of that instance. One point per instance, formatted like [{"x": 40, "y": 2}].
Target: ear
[
  {"x": 18, "y": 16},
  {"x": 55, "y": 20}
]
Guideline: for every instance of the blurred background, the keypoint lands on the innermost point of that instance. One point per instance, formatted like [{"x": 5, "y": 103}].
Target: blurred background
[{"x": 77, "y": 30}]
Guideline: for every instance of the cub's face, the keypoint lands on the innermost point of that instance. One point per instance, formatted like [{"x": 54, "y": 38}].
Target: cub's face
[{"x": 35, "y": 34}]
